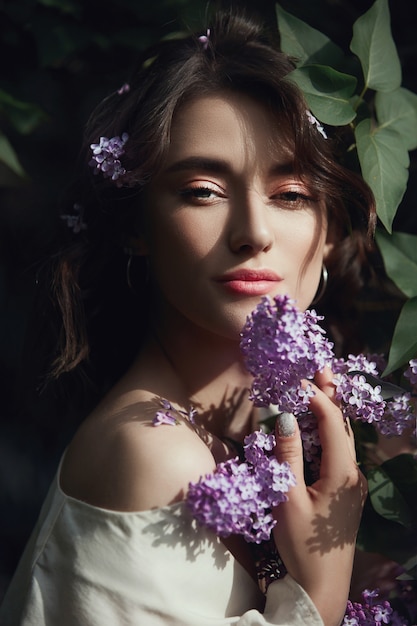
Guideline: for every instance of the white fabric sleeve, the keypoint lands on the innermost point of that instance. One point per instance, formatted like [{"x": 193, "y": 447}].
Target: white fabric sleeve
[{"x": 287, "y": 604}]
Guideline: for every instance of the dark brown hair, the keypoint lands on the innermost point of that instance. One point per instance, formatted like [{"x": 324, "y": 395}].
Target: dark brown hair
[{"x": 100, "y": 321}]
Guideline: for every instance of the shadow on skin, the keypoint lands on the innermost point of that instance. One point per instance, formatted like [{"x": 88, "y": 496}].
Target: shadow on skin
[{"x": 339, "y": 527}]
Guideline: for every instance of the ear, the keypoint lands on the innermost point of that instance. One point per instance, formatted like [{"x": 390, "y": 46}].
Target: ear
[
  {"x": 328, "y": 247},
  {"x": 137, "y": 246},
  {"x": 332, "y": 238}
]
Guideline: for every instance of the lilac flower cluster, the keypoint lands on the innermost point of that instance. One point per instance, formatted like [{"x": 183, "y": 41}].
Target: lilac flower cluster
[
  {"x": 106, "y": 156},
  {"x": 371, "y": 612},
  {"x": 281, "y": 345},
  {"x": 238, "y": 497},
  {"x": 364, "y": 401}
]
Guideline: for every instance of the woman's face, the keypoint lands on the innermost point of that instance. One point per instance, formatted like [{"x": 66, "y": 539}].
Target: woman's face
[{"x": 227, "y": 221}]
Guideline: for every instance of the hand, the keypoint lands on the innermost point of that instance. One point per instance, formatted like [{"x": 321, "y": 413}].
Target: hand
[{"x": 316, "y": 528}]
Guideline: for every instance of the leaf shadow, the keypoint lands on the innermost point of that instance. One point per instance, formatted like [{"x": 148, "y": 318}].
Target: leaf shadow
[{"x": 339, "y": 527}]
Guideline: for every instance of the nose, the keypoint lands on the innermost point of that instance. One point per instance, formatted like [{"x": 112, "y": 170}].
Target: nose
[{"x": 250, "y": 225}]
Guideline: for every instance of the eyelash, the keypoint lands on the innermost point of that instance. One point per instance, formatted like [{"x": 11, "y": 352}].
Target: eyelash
[
  {"x": 191, "y": 193},
  {"x": 294, "y": 198}
]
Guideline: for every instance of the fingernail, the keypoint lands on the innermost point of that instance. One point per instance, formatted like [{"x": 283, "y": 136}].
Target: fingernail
[{"x": 285, "y": 424}]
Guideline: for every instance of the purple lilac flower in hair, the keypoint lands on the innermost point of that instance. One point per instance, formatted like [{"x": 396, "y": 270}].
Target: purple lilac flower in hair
[
  {"x": 314, "y": 122},
  {"x": 75, "y": 221},
  {"x": 204, "y": 39},
  {"x": 106, "y": 156}
]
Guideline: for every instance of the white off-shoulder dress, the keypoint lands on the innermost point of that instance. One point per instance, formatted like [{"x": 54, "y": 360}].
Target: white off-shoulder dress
[{"x": 88, "y": 566}]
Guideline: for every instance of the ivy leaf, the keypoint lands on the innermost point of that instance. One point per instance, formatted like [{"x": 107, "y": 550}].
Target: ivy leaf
[
  {"x": 387, "y": 499},
  {"x": 384, "y": 163},
  {"x": 399, "y": 252},
  {"x": 372, "y": 42},
  {"x": 306, "y": 44},
  {"x": 404, "y": 341},
  {"x": 398, "y": 110},
  {"x": 9, "y": 158},
  {"x": 327, "y": 92}
]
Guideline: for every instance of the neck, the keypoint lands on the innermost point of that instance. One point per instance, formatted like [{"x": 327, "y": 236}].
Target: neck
[{"x": 210, "y": 371}]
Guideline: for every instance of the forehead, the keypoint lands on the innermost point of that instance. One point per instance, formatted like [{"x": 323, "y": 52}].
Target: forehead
[{"x": 229, "y": 125}]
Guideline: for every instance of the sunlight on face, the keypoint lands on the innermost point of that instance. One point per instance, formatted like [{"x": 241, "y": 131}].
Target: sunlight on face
[{"x": 227, "y": 220}]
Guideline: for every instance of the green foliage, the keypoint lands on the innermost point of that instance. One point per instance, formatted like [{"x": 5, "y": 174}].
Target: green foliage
[
  {"x": 365, "y": 92},
  {"x": 389, "y": 523},
  {"x": 384, "y": 160},
  {"x": 404, "y": 341},
  {"x": 327, "y": 90},
  {"x": 383, "y": 117},
  {"x": 373, "y": 44}
]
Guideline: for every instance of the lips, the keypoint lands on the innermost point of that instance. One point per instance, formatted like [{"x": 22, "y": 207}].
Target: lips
[{"x": 250, "y": 282}]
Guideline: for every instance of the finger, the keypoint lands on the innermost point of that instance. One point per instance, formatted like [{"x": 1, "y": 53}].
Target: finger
[
  {"x": 336, "y": 437},
  {"x": 324, "y": 380},
  {"x": 289, "y": 447}
]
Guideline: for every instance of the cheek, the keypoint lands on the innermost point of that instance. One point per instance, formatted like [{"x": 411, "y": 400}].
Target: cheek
[{"x": 309, "y": 252}]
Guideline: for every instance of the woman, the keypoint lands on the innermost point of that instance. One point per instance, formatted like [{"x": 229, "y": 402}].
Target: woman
[{"x": 222, "y": 188}]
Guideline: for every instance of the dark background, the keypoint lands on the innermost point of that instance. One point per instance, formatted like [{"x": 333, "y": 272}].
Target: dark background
[{"x": 63, "y": 56}]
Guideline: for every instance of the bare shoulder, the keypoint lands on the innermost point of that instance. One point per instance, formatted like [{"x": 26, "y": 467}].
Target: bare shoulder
[{"x": 130, "y": 465}]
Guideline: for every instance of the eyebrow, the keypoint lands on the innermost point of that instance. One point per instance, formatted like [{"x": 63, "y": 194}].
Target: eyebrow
[{"x": 219, "y": 166}]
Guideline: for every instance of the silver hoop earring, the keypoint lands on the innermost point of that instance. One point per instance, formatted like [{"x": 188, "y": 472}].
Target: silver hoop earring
[
  {"x": 129, "y": 252},
  {"x": 144, "y": 273},
  {"x": 322, "y": 285}
]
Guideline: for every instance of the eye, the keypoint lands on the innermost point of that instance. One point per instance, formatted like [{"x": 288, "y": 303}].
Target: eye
[
  {"x": 294, "y": 198},
  {"x": 201, "y": 194}
]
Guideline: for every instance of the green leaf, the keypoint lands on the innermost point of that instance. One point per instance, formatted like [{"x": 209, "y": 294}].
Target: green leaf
[
  {"x": 9, "y": 157},
  {"x": 398, "y": 110},
  {"x": 402, "y": 469},
  {"x": 304, "y": 43},
  {"x": 327, "y": 92},
  {"x": 399, "y": 252},
  {"x": 404, "y": 341},
  {"x": 387, "y": 499},
  {"x": 372, "y": 42},
  {"x": 23, "y": 116},
  {"x": 384, "y": 163}
]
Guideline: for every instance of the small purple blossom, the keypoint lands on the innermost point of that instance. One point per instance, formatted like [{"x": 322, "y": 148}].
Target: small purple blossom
[
  {"x": 238, "y": 497},
  {"x": 106, "y": 156},
  {"x": 411, "y": 372},
  {"x": 169, "y": 415},
  {"x": 125, "y": 88},
  {"x": 204, "y": 39},
  {"x": 75, "y": 221},
  {"x": 164, "y": 417},
  {"x": 314, "y": 121}
]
